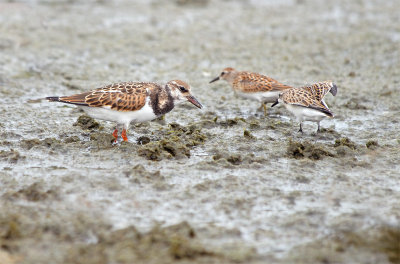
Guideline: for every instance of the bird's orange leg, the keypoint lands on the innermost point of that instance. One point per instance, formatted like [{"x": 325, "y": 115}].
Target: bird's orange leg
[
  {"x": 123, "y": 135},
  {"x": 115, "y": 134}
]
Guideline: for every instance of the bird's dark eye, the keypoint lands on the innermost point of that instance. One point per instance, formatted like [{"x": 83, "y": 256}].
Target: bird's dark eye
[
  {"x": 182, "y": 89},
  {"x": 222, "y": 73}
]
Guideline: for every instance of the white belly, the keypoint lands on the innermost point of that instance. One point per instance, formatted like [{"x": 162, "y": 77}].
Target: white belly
[
  {"x": 105, "y": 113},
  {"x": 266, "y": 97},
  {"x": 305, "y": 114}
]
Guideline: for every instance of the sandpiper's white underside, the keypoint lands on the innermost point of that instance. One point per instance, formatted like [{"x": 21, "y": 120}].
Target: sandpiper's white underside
[
  {"x": 146, "y": 113},
  {"x": 266, "y": 97},
  {"x": 305, "y": 114}
]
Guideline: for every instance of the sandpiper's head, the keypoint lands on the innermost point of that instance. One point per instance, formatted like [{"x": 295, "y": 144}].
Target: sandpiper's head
[
  {"x": 180, "y": 91},
  {"x": 333, "y": 89},
  {"x": 278, "y": 100},
  {"x": 227, "y": 74}
]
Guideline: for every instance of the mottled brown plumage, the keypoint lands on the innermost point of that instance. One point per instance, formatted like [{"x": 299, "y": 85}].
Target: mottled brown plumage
[
  {"x": 130, "y": 101},
  {"x": 320, "y": 89},
  {"x": 250, "y": 82},
  {"x": 252, "y": 85},
  {"x": 310, "y": 96},
  {"x": 127, "y": 96},
  {"x": 307, "y": 103}
]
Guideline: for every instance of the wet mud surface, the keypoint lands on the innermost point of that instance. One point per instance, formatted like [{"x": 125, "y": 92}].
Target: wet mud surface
[{"x": 225, "y": 184}]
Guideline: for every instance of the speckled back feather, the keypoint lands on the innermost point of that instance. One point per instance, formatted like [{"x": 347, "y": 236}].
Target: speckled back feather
[
  {"x": 126, "y": 96},
  {"x": 255, "y": 82},
  {"x": 320, "y": 89},
  {"x": 305, "y": 97}
]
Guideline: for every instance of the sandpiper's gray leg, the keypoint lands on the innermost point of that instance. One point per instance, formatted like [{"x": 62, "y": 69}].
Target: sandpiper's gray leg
[
  {"x": 319, "y": 128},
  {"x": 301, "y": 128}
]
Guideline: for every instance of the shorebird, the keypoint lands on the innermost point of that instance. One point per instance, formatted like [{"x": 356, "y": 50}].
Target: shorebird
[
  {"x": 307, "y": 103},
  {"x": 129, "y": 102},
  {"x": 252, "y": 85}
]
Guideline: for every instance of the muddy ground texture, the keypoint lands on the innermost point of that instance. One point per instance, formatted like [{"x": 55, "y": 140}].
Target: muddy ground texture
[{"x": 221, "y": 185}]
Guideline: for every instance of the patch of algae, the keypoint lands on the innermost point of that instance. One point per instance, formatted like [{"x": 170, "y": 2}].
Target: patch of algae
[
  {"x": 24, "y": 230},
  {"x": 159, "y": 245},
  {"x": 139, "y": 175},
  {"x": 377, "y": 245},
  {"x": 47, "y": 142},
  {"x": 101, "y": 140},
  {"x": 11, "y": 156},
  {"x": 87, "y": 123},
  {"x": 232, "y": 122},
  {"x": 306, "y": 149},
  {"x": 33, "y": 193},
  {"x": 345, "y": 142},
  {"x": 234, "y": 159},
  {"x": 175, "y": 143},
  {"x": 247, "y": 134},
  {"x": 372, "y": 144}
]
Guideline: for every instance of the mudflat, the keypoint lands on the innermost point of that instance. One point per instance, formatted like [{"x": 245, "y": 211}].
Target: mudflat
[{"x": 225, "y": 184}]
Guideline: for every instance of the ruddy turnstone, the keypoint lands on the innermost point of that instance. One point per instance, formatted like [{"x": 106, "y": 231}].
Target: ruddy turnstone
[
  {"x": 252, "y": 85},
  {"x": 129, "y": 102},
  {"x": 307, "y": 103}
]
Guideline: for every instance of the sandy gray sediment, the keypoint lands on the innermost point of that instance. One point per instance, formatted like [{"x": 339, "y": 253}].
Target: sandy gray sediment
[{"x": 222, "y": 185}]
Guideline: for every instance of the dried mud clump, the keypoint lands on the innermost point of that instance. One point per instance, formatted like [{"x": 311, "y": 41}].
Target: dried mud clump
[
  {"x": 176, "y": 143},
  {"x": 306, "y": 149},
  {"x": 87, "y": 123},
  {"x": 32, "y": 193},
  {"x": 11, "y": 156},
  {"x": 160, "y": 245}
]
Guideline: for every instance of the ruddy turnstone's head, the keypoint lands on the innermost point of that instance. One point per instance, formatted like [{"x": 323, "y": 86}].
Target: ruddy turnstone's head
[
  {"x": 227, "y": 74},
  {"x": 180, "y": 91}
]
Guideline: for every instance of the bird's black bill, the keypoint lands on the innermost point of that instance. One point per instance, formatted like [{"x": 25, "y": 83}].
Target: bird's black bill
[
  {"x": 214, "y": 80},
  {"x": 53, "y": 98},
  {"x": 275, "y": 103},
  {"x": 194, "y": 101},
  {"x": 333, "y": 90}
]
